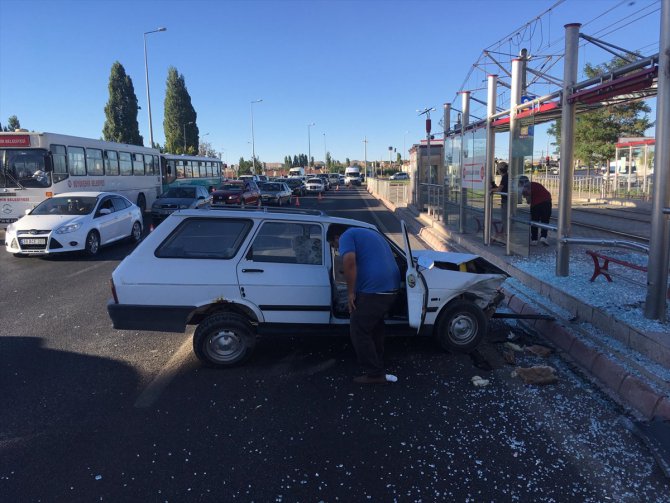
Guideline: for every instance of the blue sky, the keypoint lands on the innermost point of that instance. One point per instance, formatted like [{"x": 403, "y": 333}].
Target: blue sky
[{"x": 354, "y": 68}]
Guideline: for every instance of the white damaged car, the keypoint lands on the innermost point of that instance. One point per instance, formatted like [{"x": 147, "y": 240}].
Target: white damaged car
[
  {"x": 238, "y": 273},
  {"x": 74, "y": 221}
]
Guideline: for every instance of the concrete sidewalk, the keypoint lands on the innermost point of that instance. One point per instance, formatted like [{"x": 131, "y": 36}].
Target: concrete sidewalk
[{"x": 630, "y": 365}]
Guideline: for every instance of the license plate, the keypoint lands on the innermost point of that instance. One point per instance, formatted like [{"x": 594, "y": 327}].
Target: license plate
[{"x": 33, "y": 241}]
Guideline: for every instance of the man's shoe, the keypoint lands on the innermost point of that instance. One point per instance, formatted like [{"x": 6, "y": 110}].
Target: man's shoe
[
  {"x": 533, "y": 242},
  {"x": 544, "y": 241},
  {"x": 371, "y": 379}
]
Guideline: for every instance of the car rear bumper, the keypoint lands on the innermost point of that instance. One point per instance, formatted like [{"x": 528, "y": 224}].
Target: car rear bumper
[{"x": 154, "y": 318}]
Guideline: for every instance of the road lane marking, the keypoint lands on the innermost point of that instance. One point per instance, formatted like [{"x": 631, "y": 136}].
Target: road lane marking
[{"x": 154, "y": 389}]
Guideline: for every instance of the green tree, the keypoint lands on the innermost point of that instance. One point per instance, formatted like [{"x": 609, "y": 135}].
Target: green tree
[
  {"x": 329, "y": 161},
  {"x": 347, "y": 162},
  {"x": 12, "y": 124},
  {"x": 121, "y": 109},
  {"x": 597, "y": 131},
  {"x": 180, "y": 118},
  {"x": 205, "y": 149}
]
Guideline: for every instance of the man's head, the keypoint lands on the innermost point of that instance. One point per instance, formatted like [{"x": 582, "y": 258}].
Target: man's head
[
  {"x": 502, "y": 167},
  {"x": 333, "y": 234}
]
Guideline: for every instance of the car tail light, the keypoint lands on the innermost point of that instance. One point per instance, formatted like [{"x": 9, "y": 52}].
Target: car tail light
[{"x": 116, "y": 297}]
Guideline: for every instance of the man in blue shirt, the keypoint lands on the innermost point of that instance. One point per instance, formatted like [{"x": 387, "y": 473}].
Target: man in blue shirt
[{"x": 373, "y": 281}]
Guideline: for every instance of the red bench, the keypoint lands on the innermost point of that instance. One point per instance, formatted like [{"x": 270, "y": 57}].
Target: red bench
[{"x": 603, "y": 268}]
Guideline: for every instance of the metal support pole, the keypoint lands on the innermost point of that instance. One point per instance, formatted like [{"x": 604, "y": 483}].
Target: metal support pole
[
  {"x": 146, "y": 75},
  {"x": 490, "y": 155},
  {"x": 446, "y": 126},
  {"x": 570, "y": 63},
  {"x": 515, "y": 168},
  {"x": 465, "y": 121},
  {"x": 253, "y": 142},
  {"x": 659, "y": 244}
]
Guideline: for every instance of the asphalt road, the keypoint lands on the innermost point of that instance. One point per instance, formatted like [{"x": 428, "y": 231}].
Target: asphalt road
[{"x": 89, "y": 413}]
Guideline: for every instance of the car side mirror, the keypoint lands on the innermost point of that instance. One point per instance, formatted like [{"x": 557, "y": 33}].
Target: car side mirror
[
  {"x": 104, "y": 211},
  {"x": 201, "y": 197}
]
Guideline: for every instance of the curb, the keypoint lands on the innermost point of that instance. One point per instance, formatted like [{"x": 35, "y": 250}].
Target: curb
[{"x": 625, "y": 387}]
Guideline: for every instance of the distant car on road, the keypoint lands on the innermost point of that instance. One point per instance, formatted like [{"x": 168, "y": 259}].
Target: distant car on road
[
  {"x": 74, "y": 221},
  {"x": 277, "y": 193},
  {"x": 315, "y": 186},
  {"x": 296, "y": 185},
  {"x": 399, "y": 176},
  {"x": 178, "y": 198},
  {"x": 238, "y": 192}
]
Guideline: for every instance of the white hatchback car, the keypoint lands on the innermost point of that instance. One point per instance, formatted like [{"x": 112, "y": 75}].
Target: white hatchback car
[
  {"x": 74, "y": 221},
  {"x": 237, "y": 273}
]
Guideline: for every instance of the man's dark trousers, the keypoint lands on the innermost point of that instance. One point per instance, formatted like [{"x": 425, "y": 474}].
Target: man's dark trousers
[
  {"x": 540, "y": 213},
  {"x": 367, "y": 330}
]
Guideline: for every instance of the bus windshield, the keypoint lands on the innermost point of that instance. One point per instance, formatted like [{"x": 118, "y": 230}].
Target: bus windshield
[
  {"x": 23, "y": 168},
  {"x": 65, "y": 205}
]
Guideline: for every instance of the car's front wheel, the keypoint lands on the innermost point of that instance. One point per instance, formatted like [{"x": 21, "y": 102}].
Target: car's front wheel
[
  {"x": 461, "y": 326},
  {"x": 224, "y": 339},
  {"x": 92, "y": 245}
]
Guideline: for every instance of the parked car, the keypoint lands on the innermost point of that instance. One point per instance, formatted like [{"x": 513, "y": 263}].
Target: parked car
[
  {"x": 314, "y": 185},
  {"x": 334, "y": 179},
  {"x": 74, "y": 221},
  {"x": 326, "y": 180},
  {"x": 275, "y": 193},
  {"x": 241, "y": 192},
  {"x": 178, "y": 198},
  {"x": 276, "y": 274},
  {"x": 296, "y": 185},
  {"x": 399, "y": 176}
]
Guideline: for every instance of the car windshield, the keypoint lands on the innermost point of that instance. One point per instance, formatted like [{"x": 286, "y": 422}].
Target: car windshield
[
  {"x": 293, "y": 182},
  {"x": 271, "y": 187},
  {"x": 180, "y": 192},
  {"x": 79, "y": 205},
  {"x": 231, "y": 186},
  {"x": 314, "y": 180}
]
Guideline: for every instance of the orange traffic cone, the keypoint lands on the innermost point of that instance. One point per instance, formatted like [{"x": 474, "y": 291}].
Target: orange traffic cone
[
  {"x": 151, "y": 228},
  {"x": 337, "y": 187},
  {"x": 297, "y": 202},
  {"x": 320, "y": 196}
]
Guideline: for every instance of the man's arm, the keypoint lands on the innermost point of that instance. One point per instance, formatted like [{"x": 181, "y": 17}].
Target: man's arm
[{"x": 349, "y": 266}]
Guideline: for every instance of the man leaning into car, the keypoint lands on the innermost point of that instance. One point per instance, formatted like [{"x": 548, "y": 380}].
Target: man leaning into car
[{"x": 373, "y": 281}]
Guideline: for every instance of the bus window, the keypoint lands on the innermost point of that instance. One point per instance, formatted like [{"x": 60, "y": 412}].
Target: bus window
[
  {"x": 217, "y": 169},
  {"x": 125, "y": 163},
  {"x": 157, "y": 165},
  {"x": 188, "y": 173},
  {"x": 149, "y": 164},
  {"x": 180, "y": 169},
  {"x": 138, "y": 164},
  {"x": 60, "y": 162},
  {"x": 76, "y": 161},
  {"x": 208, "y": 168},
  {"x": 94, "y": 162},
  {"x": 111, "y": 163}
]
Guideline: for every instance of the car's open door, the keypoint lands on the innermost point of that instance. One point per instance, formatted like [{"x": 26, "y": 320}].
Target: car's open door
[{"x": 415, "y": 286}]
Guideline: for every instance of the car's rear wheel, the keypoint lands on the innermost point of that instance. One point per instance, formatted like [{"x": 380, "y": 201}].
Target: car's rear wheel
[
  {"x": 136, "y": 233},
  {"x": 223, "y": 340},
  {"x": 461, "y": 326},
  {"x": 92, "y": 245}
]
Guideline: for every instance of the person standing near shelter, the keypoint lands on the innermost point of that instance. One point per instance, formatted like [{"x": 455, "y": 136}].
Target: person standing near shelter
[
  {"x": 502, "y": 188},
  {"x": 539, "y": 199},
  {"x": 373, "y": 282}
]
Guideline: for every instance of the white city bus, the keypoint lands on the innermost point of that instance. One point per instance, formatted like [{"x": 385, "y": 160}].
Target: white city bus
[{"x": 35, "y": 166}]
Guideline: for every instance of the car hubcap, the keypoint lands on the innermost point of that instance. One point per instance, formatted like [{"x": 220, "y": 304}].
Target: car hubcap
[
  {"x": 462, "y": 329},
  {"x": 225, "y": 345},
  {"x": 93, "y": 243},
  {"x": 137, "y": 232}
]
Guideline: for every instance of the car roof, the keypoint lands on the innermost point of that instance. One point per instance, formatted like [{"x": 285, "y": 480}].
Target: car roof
[
  {"x": 267, "y": 214},
  {"x": 84, "y": 194}
]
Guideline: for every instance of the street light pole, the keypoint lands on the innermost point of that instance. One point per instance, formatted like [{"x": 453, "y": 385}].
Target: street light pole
[
  {"x": 186, "y": 124},
  {"x": 146, "y": 75},
  {"x": 253, "y": 144},
  {"x": 325, "y": 151},
  {"x": 404, "y": 146},
  {"x": 309, "y": 144}
]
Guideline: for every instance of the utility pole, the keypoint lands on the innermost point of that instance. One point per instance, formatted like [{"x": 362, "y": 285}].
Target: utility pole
[{"x": 365, "y": 141}]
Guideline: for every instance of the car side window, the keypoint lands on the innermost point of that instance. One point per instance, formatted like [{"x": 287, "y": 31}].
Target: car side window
[
  {"x": 106, "y": 205},
  {"x": 120, "y": 203},
  {"x": 205, "y": 238},
  {"x": 287, "y": 242}
]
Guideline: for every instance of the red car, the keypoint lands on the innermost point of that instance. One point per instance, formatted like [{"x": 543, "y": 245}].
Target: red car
[{"x": 239, "y": 192}]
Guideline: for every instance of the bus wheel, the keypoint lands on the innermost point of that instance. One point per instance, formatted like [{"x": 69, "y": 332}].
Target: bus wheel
[
  {"x": 92, "y": 243},
  {"x": 142, "y": 203}
]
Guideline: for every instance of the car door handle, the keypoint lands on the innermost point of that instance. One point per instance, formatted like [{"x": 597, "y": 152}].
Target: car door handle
[{"x": 253, "y": 270}]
